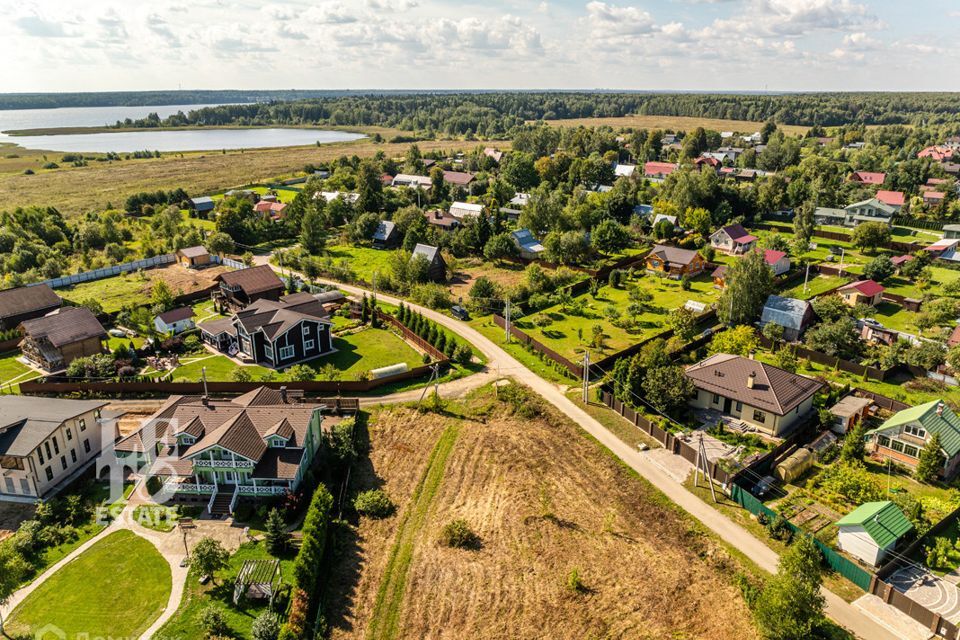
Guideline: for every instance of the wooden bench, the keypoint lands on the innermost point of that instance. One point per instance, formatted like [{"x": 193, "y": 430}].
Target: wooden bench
[{"x": 186, "y": 523}]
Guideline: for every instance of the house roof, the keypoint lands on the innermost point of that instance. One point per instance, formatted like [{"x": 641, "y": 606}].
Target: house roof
[
  {"x": 954, "y": 338},
  {"x": 526, "y": 239},
  {"x": 658, "y": 168},
  {"x": 460, "y": 178},
  {"x": 252, "y": 280},
  {"x": 407, "y": 179},
  {"x": 738, "y": 234},
  {"x": 279, "y": 463},
  {"x": 15, "y": 302},
  {"x": 68, "y": 325},
  {"x": 463, "y": 209},
  {"x": 384, "y": 230},
  {"x": 946, "y": 423},
  {"x": 673, "y": 255},
  {"x": 868, "y": 288},
  {"x": 26, "y": 421},
  {"x": 875, "y": 203},
  {"x": 772, "y": 256},
  {"x": 441, "y": 218},
  {"x": 719, "y": 272},
  {"x": 899, "y": 260},
  {"x": 176, "y": 315},
  {"x": 276, "y": 318},
  {"x": 427, "y": 251},
  {"x": 193, "y": 252},
  {"x": 868, "y": 177},
  {"x": 850, "y": 406},
  {"x": 625, "y": 170},
  {"x": 892, "y": 198},
  {"x": 787, "y": 312},
  {"x": 217, "y": 326},
  {"x": 883, "y": 521},
  {"x": 773, "y": 389}
]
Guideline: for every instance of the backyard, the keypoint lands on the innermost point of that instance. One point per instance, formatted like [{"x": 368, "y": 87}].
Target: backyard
[
  {"x": 365, "y": 262},
  {"x": 570, "y": 329},
  {"x": 135, "y": 289},
  {"x": 13, "y": 371},
  {"x": 83, "y": 598},
  {"x": 187, "y": 621}
]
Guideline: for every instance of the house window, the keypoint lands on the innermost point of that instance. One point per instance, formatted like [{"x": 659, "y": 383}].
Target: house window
[
  {"x": 308, "y": 344},
  {"x": 286, "y": 352},
  {"x": 83, "y": 423},
  {"x": 11, "y": 488},
  {"x": 268, "y": 351},
  {"x": 49, "y": 473},
  {"x": 25, "y": 485},
  {"x": 896, "y": 445},
  {"x": 910, "y": 450},
  {"x": 46, "y": 445},
  {"x": 63, "y": 462},
  {"x": 739, "y": 406},
  {"x": 96, "y": 415},
  {"x": 913, "y": 430},
  {"x": 40, "y": 455},
  {"x": 306, "y": 330},
  {"x": 716, "y": 399},
  {"x": 56, "y": 445},
  {"x": 883, "y": 441},
  {"x": 73, "y": 455},
  {"x": 69, "y": 434},
  {"x": 759, "y": 416},
  {"x": 86, "y": 446}
]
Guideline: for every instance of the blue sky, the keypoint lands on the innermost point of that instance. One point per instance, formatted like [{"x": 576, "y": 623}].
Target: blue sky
[{"x": 777, "y": 45}]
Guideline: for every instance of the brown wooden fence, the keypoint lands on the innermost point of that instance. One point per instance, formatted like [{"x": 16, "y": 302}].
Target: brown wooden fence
[
  {"x": 896, "y": 245},
  {"x": 872, "y": 373},
  {"x": 881, "y": 401},
  {"x": 936, "y": 623},
  {"x": 573, "y": 368},
  {"x": 409, "y": 335}
]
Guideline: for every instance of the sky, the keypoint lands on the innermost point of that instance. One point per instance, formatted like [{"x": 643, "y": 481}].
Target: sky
[{"x": 708, "y": 45}]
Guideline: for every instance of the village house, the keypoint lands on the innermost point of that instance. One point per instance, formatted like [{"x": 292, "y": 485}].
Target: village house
[
  {"x": 386, "y": 235},
  {"x": 867, "y": 177},
  {"x": 459, "y": 179},
  {"x": 408, "y": 180},
  {"x": 437, "y": 269},
  {"x": 871, "y": 531},
  {"x": 240, "y": 288},
  {"x": 791, "y": 314},
  {"x": 494, "y": 154},
  {"x": 865, "y": 292},
  {"x": 528, "y": 246},
  {"x": 463, "y": 210},
  {"x": 658, "y": 170},
  {"x": 54, "y": 341},
  {"x": 270, "y": 209},
  {"x": 275, "y": 334},
  {"x": 202, "y": 205},
  {"x": 939, "y": 153},
  {"x": 778, "y": 261},
  {"x": 441, "y": 220},
  {"x": 47, "y": 442},
  {"x": 903, "y": 437},
  {"x": 899, "y": 261},
  {"x": 732, "y": 239},
  {"x": 624, "y": 170},
  {"x": 219, "y": 452},
  {"x": 932, "y": 198},
  {"x": 759, "y": 395},
  {"x": 193, "y": 257},
  {"x": 872, "y": 210},
  {"x": 849, "y": 412},
  {"x": 895, "y": 199},
  {"x": 26, "y": 303},
  {"x": 674, "y": 262},
  {"x": 174, "y": 321}
]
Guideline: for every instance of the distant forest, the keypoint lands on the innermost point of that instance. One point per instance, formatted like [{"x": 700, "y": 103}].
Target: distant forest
[{"x": 488, "y": 115}]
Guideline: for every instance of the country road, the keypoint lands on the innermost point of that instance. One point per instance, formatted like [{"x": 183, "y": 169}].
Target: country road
[{"x": 840, "y": 611}]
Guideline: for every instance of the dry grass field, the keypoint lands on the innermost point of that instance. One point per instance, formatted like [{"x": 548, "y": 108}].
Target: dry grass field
[
  {"x": 133, "y": 288},
  {"x": 80, "y": 189},
  {"x": 544, "y": 501},
  {"x": 675, "y": 123}
]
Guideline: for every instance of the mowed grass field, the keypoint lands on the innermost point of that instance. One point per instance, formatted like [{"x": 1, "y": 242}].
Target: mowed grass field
[
  {"x": 675, "y": 123},
  {"x": 114, "y": 589},
  {"x": 136, "y": 288},
  {"x": 77, "y": 190},
  {"x": 544, "y": 500}
]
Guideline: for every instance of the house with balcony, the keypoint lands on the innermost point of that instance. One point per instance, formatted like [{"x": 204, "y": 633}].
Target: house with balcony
[
  {"x": 240, "y": 288},
  {"x": 218, "y": 452}
]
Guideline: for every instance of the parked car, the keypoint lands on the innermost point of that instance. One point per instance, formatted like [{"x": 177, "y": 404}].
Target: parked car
[
  {"x": 459, "y": 313},
  {"x": 763, "y": 487}
]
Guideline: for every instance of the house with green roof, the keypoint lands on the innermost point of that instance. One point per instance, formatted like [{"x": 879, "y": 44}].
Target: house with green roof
[
  {"x": 872, "y": 530},
  {"x": 902, "y": 437}
]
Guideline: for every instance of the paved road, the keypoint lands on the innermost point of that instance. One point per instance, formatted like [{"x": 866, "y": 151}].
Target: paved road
[{"x": 499, "y": 360}]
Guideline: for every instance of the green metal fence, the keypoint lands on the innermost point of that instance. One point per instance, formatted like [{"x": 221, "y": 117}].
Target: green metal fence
[{"x": 834, "y": 560}]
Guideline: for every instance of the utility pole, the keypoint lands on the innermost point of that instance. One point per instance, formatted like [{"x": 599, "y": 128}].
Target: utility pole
[
  {"x": 704, "y": 463},
  {"x": 203, "y": 374},
  {"x": 435, "y": 378},
  {"x": 842, "y": 252},
  {"x": 586, "y": 377},
  {"x": 806, "y": 278},
  {"x": 506, "y": 321}
]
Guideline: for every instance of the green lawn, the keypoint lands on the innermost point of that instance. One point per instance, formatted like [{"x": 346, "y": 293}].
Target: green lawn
[
  {"x": 219, "y": 369},
  {"x": 116, "y": 588},
  {"x": 112, "y": 293},
  {"x": 569, "y": 334},
  {"x": 903, "y": 287},
  {"x": 204, "y": 311},
  {"x": 816, "y": 285},
  {"x": 12, "y": 371},
  {"x": 186, "y": 622},
  {"x": 113, "y": 342},
  {"x": 364, "y": 261}
]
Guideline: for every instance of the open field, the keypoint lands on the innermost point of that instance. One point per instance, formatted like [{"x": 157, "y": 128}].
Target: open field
[
  {"x": 675, "y": 123},
  {"x": 136, "y": 288},
  {"x": 570, "y": 333},
  {"x": 364, "y": 261},
  {"x": 84, "y": 598},
  {"x": 74, "y": 190},
  {"x": 544, "y": 500},
  {"x": 465, "y": 271}
]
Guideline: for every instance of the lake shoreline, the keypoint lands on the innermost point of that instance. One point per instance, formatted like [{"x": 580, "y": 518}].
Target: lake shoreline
[{"x": 54, "y": 131}]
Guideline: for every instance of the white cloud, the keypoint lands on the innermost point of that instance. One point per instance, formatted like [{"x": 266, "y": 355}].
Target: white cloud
[
  {"x": 34, "y": 25},
  {"x": 609, "y": 21}
]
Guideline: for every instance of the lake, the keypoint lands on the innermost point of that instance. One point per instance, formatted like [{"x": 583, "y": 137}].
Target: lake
[{"x": 145, "y": 139}]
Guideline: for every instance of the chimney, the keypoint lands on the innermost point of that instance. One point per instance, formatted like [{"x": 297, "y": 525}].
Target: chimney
[
  {"x": 283, "y": 394},
  {"x": 940, "y": 408},
  {"x": 752, "y": 354},
  {"x": 751, "y": 379}
]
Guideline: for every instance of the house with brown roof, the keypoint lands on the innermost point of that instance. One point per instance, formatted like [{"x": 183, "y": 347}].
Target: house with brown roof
[
  {"x": 54, "y": 341},
  {"x": 193, "y": 257},
  {"x": 867, "y": 177},
  {"x": 458, "y": 178},
  {"x": 240, "y": 288},
  {"x": 47, "y": 442},
  {"x": 220, "y": 452},
  {"x": 442, "y": 220},
  {"x": 732, "y": 239},
  {"x": 26, "y": 303},
  {"x": 275, "y": 334},
  {"x": 174, "y": 321},
  {"x": 674, "y": 262},
  {"x": 437, "y": 266},
  {"x": 764, "y": 397}
]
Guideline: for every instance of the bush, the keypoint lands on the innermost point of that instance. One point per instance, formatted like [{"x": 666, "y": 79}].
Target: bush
[
  {"x": 574, "y": 583},
  {"x": 374, "y": 503},
  {"x": 265, "y": 627},
  {"x": 779, "y": 529},
  {"x": 462, "y": 354},
  {"x": 458, "y": 534},
  {"x": 214, "y": 621}
]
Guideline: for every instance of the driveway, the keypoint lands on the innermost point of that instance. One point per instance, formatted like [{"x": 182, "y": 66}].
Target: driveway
[{"x": 936, "y": 594}]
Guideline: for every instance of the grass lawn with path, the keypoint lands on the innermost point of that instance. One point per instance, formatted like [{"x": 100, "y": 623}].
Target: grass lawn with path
[
  {"x": 116, "y": 588},
  {"x": 816, "y": 285},
  {"x": 186, "y": 622},
  {"x": 12, "y": 371},
  {"x": 363, "y": 261}
]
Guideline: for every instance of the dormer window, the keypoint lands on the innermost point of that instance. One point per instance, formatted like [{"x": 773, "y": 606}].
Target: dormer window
[
  {"x": 186, "y": 439},
  {"x": 916, "y": 431},
  {"x": 276, "y": 442}
]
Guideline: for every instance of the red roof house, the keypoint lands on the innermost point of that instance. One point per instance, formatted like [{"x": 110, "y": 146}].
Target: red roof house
[
  {"x": 938, "y": 153},
  {"x": 863, "y": 291},
  {"x": 867, "y": 177},
  {"x": 658, "y": 169},
  {"x": 779, "y": 261},
  {"x": 892, "y": 198}
]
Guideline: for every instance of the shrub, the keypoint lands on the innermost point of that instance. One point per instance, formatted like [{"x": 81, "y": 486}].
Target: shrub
[
  {"x": 214, "y": 622},
  {"x": 462, "y": 354},
  {"x": 779, "y": 529},
  {"x": 457, "y": 534},
  {"x": 265, "y": 627},
  {"x": 374, "y": 503},
  {"x": 574, "y": 583}
]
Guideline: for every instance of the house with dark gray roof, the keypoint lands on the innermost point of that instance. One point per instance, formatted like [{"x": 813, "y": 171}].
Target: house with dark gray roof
[
  {"x": 385, "y": 236},
  {"x": 26, "y": 303},
  {"x": 675, "y": 262},
  {"x": 174, "y": 321},
  {"x": 203, "y": 204},
  {"x": 46, "y": 442},
  {"x": 275, "y": 334},
  {"x": 790, "y": 313},
  {"x": 437, "y": 269},
  {"x": 240, "y": 288},
  {"x": 220, "y": 452},
  {"x": 54, "y": 341},
  {"x": 761, "y": 396}
]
